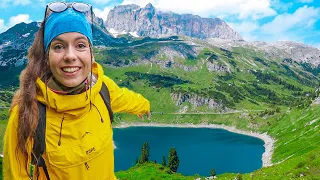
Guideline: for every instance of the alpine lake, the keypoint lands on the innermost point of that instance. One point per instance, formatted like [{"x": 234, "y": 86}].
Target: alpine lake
[{"x": 199, "y": 149}]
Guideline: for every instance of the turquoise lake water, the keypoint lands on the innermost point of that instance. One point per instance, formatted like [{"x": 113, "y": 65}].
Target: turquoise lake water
[{"x": 199, "y": 149}]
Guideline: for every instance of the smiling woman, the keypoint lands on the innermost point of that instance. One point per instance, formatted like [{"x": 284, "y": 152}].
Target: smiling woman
[
  {"x": 63, "y": 84},
  {"x": 70, "y": 58}
]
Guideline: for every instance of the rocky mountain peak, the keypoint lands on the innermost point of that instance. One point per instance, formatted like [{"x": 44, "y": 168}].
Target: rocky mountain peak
[
  {"x": 148, "y": 21},
  {"x": 285, "y": 50},
  {"x": 125, "y": 8},
  {"x": 149, "y": 6}
]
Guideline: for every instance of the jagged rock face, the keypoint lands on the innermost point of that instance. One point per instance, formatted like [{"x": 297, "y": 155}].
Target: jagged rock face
[
  {"x": 285, "y": 50},
  {"x": 15, "y": 42},
  {"x": 166, "y": 57},
  {"x": 197, "y": 101},
  {"x": 213, "y": 67},
  {"x": 194, "y": 99},
  {"x": 150, "y": 22},
  {"x": 296, "y": 51}
]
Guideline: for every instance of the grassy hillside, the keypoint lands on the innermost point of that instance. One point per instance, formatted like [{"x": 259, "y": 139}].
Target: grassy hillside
[
  {"x": 247, "y": 80},
  {"x": 151, "y": 171},
  {"x": 270, "y": 96},
  {"x": 296, "y": 155},
  {"x": 250, "y": 92}
]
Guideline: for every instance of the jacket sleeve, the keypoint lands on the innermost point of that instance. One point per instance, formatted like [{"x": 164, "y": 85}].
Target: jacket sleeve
[
  {"x": 125, "y": 100},
  {"x": 14, "y": 163}
]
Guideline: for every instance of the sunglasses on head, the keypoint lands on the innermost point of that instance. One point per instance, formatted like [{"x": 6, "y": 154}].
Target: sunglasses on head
[{"x": 62, "y": 6}]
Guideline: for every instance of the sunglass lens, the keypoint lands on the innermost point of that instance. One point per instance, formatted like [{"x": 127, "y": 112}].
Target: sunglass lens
[
  {"x": 81, "y": 7},
  {"x": 57, "y": 6}
]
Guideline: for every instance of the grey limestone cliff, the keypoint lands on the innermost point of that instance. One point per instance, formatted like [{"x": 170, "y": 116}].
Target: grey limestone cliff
[
  {"x": 286, "y": 50},
  {"x": 148, "y": 21}
]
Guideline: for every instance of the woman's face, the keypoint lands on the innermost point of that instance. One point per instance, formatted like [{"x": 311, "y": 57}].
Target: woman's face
[{"x": 70, "y": 58}]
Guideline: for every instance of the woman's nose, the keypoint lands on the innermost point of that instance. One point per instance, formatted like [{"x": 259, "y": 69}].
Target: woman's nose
[{"x": 70, "y": 54}]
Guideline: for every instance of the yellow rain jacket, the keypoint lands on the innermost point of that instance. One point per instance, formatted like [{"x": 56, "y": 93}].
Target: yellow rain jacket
[{"x": 79, "y": 142}]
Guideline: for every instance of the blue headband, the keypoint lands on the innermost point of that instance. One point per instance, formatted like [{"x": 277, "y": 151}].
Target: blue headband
[{"x": 64, "y": 22}]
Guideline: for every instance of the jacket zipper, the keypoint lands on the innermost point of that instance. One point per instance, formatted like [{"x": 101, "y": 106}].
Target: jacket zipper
[{"x": 87, "y": 165}]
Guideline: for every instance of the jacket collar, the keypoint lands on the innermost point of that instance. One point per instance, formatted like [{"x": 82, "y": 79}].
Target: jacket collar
[{"x": 70, "y": 104}]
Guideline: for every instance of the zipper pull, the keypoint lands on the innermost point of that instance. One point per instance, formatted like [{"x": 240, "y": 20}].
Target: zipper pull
[{"x": 87, "y": 165}]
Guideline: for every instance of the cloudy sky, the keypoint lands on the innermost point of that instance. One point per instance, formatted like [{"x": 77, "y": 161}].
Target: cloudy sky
[{"x": 261, "y": 20}]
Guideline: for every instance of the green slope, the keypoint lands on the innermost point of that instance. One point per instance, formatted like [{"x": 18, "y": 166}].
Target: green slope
[
  {"x": 254, "y": 93},
  {"x": 151, "y": 171},
  {"x": 296, "y": 155}
]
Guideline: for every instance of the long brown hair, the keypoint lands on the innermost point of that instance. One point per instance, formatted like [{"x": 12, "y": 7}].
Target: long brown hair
[{"x": 25, "y": 97}]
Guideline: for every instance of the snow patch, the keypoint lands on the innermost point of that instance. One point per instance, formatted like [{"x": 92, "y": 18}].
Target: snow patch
[
  {"x": 134, "y": 34},
  {"x": 115, "y": 33},
  {"x": 8, "y": 43},
  {"x": 26, "y": 35},
  {"x": 3, "y": 63}
]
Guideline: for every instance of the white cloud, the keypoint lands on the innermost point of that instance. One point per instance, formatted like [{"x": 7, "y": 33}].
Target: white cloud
[
  {"x": 13, "y": 21},
  {"x": 311, "y": 22},
  {"x": 244, "y": 26},
  {"x": 6, "y": 3},
  {"x": 18, "y": 19},
  {"x": 281, "y": 6},
  {"x": 241, "y": 9},
  {"x": 21, "y": 2},
  {"x": 3, "y": 27},
  {"x": 305, "y": 1},
  {"x": 100, "y": 1},
  {"x": 102, "y": 14},
  {"x": 301, "y": 18},
  {"x": 246, "y": 29}
]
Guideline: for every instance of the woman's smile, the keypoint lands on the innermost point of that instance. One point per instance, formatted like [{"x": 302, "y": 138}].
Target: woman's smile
[{"x": 70, "y": 69}]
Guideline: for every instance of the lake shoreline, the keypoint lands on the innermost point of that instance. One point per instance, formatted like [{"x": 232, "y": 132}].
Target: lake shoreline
[{"x": 268, "y": 140}]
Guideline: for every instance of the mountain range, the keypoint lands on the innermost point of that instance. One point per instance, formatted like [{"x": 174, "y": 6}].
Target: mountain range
[
  {"x": 149, "y": 37},
  {"x": 148, "y": 21},
  {"x": 199, "y": 70}
]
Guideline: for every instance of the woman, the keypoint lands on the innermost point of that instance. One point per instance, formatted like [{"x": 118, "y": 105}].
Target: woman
[{"x": 62, "y": 75}]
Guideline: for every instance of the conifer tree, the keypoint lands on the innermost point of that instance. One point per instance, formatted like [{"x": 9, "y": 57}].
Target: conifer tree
[
  {"x": 164, "y": 162},
  {"x": 212, "y": 172},
  {"x": 144, "y": 153},
  {"x": 173, "y": 160},
  {"x": 239, "y": 176}
]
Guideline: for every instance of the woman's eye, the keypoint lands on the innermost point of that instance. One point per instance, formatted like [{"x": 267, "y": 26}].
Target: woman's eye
[
  {"x": 57, "y": 47},
  {"x": 81, "y": 45}
]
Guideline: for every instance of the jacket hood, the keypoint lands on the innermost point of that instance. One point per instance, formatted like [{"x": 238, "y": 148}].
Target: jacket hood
[{"x": 75, "y": 105}]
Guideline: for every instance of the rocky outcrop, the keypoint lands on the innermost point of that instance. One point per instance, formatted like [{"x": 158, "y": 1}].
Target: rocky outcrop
[
  {"x": 14, "y": 43},
  {"x": 150, "y": 22},
  {"x": 169, "y": 56},
  {"x": 285, "y": 50},
  {"x": 195, "y": 100},
  {"x": 214, "y": 67}
]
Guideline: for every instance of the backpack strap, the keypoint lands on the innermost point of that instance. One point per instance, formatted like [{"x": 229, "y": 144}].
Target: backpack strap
[
  {"x": 104, "y": 92},
  {"x": 39, "y": 144}
]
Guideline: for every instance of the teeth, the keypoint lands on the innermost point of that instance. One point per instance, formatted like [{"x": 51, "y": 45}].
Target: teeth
[{"x": 70, "y": 69}]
